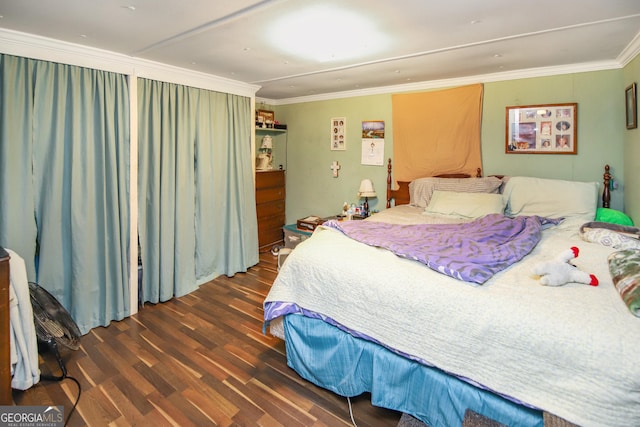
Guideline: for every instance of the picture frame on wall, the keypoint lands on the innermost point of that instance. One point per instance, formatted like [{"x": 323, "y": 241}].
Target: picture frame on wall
[
  {"x": 631, "y": 106},
  {"x": 373, "y": 143},
  {"x": 338, "y": 134},
  {"x": 542, "y": 129}
]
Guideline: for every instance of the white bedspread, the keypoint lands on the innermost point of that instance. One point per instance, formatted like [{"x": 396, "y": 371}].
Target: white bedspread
[
  {"x": 23, "y": 340},
  {"x": 572, "y": 350}
]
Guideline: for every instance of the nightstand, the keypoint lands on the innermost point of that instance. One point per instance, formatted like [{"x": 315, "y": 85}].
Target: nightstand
[{"x": 346, "y": 218}]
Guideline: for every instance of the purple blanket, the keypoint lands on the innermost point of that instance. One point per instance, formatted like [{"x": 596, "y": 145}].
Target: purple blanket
[{"x": 472, "y": 251}]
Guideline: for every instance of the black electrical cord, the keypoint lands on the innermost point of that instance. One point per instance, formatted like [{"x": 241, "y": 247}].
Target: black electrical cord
[
  {"x": 73, "y": 408},
  {"x": 54, "y": 347},
  {"x": 66, "y": 377}
]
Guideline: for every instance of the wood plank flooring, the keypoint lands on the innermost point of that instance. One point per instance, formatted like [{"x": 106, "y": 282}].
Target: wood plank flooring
[{"x": 198, "y": 360}]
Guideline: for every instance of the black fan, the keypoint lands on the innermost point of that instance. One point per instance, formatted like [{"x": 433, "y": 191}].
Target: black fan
[{"x": 54, "y": 325}]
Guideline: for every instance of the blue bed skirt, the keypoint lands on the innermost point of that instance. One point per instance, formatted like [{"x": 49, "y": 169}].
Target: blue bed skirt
[{"x": 350, "y": 366}]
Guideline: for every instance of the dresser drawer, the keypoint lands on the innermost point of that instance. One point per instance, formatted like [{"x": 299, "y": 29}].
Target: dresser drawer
[
  {"x": 265, "y": 210},
  {"x": 269, "y": 236},
  {"x": 269, "y": 179},
  {"x": 265, "y": 195},
  {"x": 270, "y": 222}
]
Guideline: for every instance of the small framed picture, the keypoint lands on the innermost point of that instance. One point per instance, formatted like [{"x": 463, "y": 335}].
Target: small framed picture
[
  {"x": 265, "y": 118},
  {"x": 373, "y": 143},
  {"x": 338, "y": 134},
  {"x": 631, "y": 106},
  {"x": 542, "y": 129}
]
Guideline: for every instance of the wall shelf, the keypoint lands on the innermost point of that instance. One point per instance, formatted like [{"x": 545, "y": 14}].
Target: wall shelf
[
  {"x": 270, "y": 131},
  {"x": 279, "y": 145}
]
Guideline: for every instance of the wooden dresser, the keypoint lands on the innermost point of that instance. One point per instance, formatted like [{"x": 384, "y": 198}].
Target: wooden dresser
[
  {"x": 5, "y": 357},
  {"x": 270, "y": 204}
]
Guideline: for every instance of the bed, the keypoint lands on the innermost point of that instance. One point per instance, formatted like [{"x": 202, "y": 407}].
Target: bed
[{"x": 366, "y": 317}]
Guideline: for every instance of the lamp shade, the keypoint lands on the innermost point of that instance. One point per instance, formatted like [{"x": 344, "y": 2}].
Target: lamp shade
[
  {"x": 366, "y": 189},
  {"x": 267, "y": 142}
]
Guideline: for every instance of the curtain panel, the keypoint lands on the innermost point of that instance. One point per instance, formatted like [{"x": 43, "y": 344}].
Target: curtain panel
[
  {"x": 437, "y": 132},
  {"x": 196, "y": 199},
  {"x": 64, "y": 204}
]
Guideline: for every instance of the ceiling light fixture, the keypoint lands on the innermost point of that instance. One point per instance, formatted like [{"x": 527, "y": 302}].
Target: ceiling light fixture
[{"x": 326, "y": 33}]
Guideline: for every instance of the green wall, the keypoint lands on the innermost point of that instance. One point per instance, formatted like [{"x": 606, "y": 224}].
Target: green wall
[
  {"x": 311, "y": 187},
  {"x": 600, "y": 129},
  {"x": 602, "y": 138},
  {"x": 631, "y": 74}
]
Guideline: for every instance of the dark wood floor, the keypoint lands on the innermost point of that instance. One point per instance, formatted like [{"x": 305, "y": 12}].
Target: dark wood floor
[{"x": 197, "y": 360}]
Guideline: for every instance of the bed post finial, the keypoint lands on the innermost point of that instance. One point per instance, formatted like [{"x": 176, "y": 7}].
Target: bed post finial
[
  {"x": 606, "y": 193},
  {"x": 389, "y": 183}
]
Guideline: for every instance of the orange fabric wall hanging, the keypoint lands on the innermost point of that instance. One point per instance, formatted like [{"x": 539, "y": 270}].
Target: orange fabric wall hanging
[{"x": 437, "y": 132}]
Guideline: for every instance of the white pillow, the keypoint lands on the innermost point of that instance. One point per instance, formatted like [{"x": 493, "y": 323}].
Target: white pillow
[
  {"x": 552, "y": 198},
  {"x": 421, "y": 189},
  {"x": 466, "y": 205}
]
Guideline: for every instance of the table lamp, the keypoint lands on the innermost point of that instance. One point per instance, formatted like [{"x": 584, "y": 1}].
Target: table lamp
[
  {"x": 366, "y": 190},
  {"x": 264, "y": 160}
]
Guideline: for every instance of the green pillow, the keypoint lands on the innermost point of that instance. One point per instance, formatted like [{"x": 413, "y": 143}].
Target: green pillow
[{"x": 612, "y": 216}]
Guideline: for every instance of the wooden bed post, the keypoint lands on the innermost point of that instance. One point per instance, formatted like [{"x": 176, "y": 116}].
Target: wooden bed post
[
  {"x": 389, "y": 183},
  {"x": 606, "y": 194}
]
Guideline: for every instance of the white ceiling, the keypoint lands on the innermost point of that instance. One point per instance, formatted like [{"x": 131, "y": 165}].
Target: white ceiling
[{"x": 426, "y": 40}]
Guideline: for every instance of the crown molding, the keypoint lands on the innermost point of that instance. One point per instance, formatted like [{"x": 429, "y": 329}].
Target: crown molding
[
  {"x": 42, "y": 48},
  {"x": 460, "y": 81},
  {"x": 36, "y": 47},
  {"x": 630, "y": 51}
]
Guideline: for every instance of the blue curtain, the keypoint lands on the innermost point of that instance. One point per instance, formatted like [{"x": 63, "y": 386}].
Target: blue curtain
[
  {"x": 64, "y": 151},
  {"x": 17, "y": 217},
  {"x": 197, "y": 217}
]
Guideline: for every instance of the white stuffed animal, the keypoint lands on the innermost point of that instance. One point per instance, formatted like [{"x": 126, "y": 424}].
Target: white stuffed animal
[{"x": 560, "y": 271}]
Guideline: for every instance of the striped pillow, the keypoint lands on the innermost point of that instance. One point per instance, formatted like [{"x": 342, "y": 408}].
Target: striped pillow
[{"x": 421, "y": 190}]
